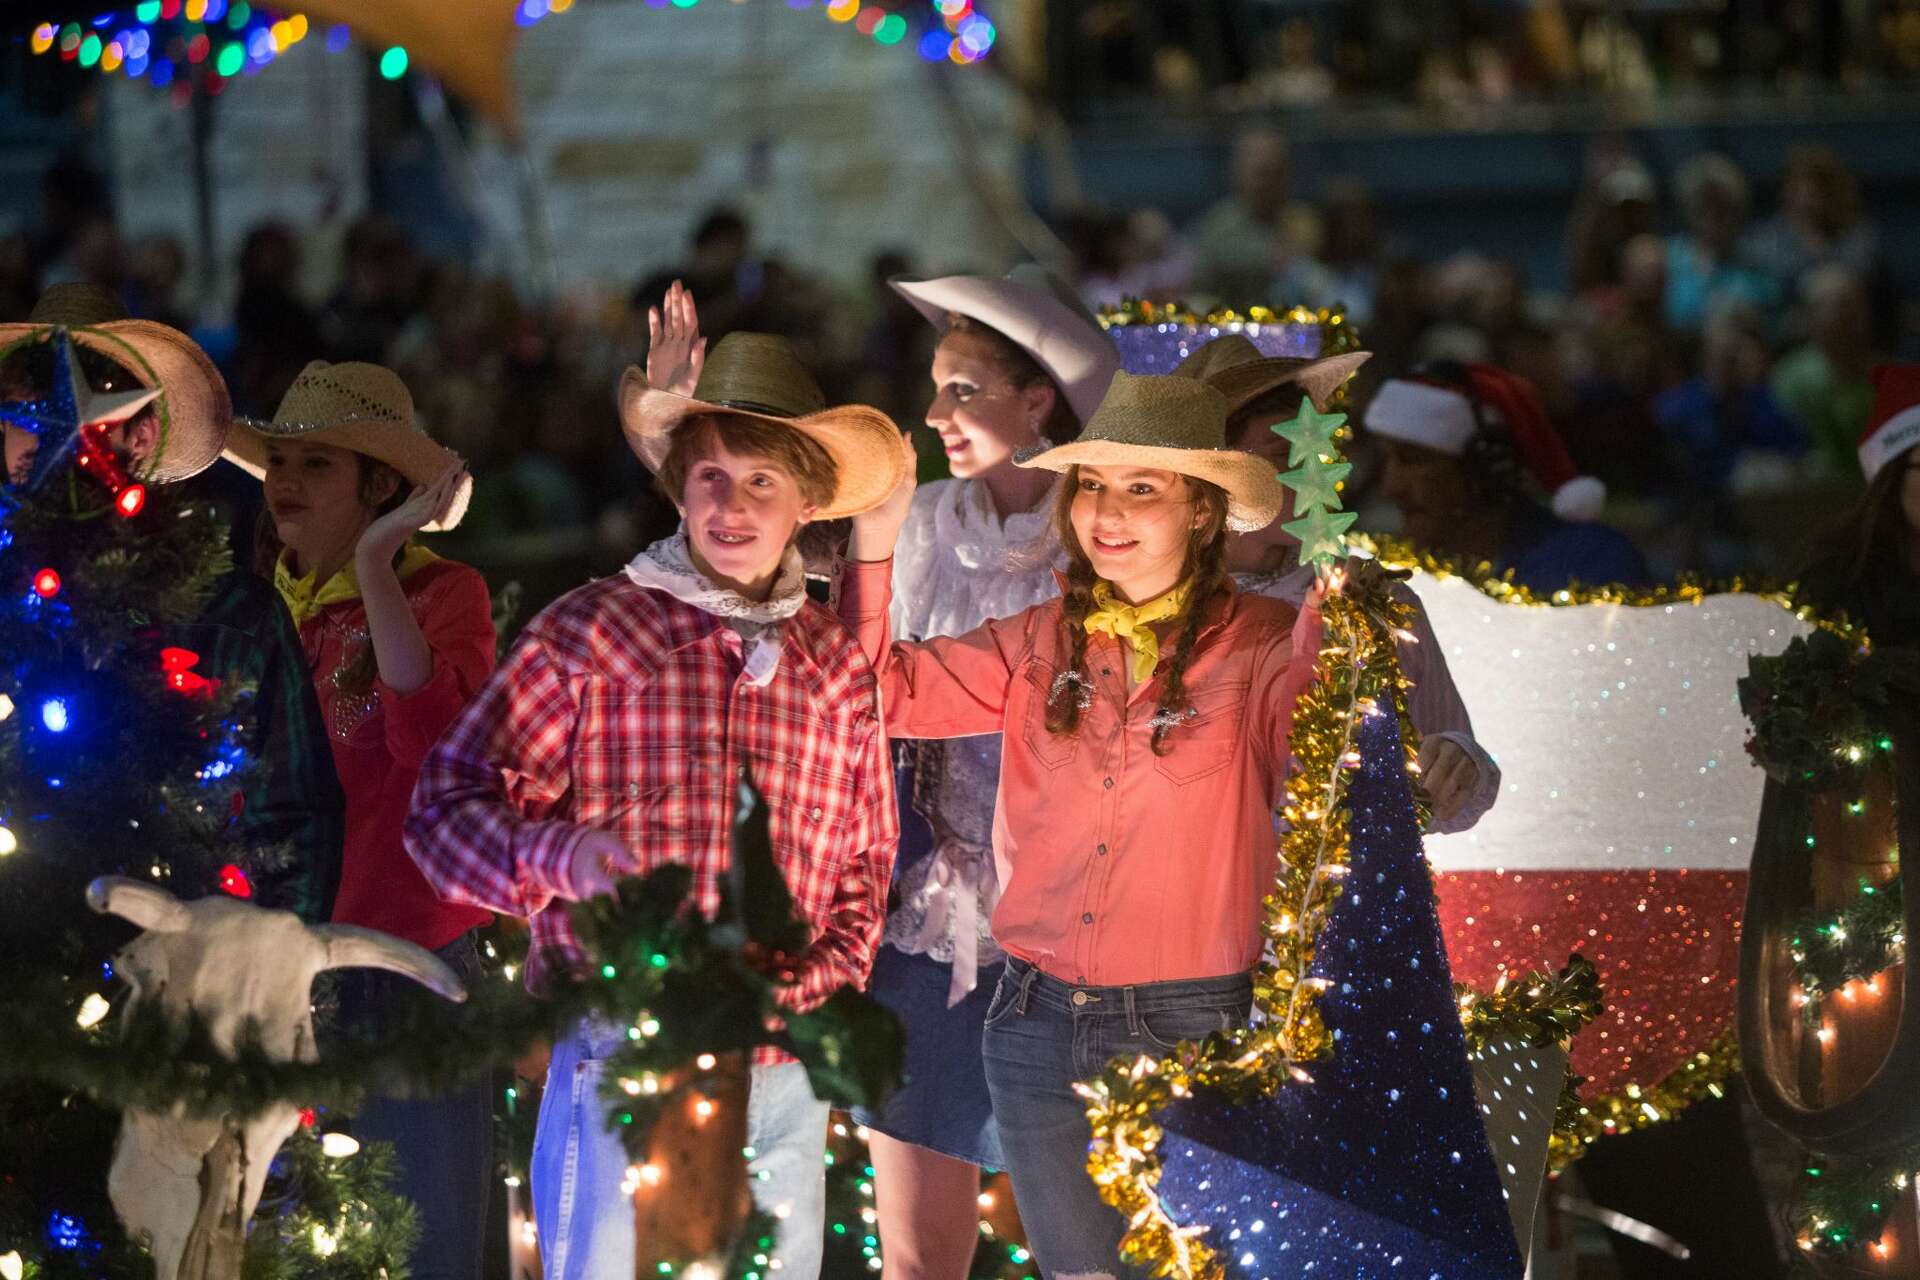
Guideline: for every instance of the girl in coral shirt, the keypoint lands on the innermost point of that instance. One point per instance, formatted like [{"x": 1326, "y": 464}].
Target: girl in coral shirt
[
  {"x": 398, "y": 640},
  {"x": 1144, "y": 717}
]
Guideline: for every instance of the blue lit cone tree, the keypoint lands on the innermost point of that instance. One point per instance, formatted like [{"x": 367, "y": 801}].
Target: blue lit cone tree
[
  {"x": 1379, "y": 1166},
  {"x": 1341, "y": 1135}
]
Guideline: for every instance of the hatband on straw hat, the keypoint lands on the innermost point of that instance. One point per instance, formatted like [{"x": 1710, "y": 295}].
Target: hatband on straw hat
[
  {"x": 364, "y": 408},
  {"x": 194, "y": 410},
  {"x": 1170, "y": 423},
  {"x": 758, "y": 376},
  {"x": 1233, "y": 366},
  {"x": 1038, "y": 313}
]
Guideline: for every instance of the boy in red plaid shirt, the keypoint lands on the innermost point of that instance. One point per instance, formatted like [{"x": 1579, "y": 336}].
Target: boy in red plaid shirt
[{"x": 612, "y": 738}]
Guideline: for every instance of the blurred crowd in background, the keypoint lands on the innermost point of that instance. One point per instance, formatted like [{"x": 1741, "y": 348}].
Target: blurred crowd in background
[
  {"x": 1462, "y": 57},
  {"x": 1707, "y": 358}
]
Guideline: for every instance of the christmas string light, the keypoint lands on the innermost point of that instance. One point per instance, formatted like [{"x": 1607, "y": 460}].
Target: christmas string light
[
  {"x": 1858, "y": 943},
  {"x": 1840, "y": 1208}
]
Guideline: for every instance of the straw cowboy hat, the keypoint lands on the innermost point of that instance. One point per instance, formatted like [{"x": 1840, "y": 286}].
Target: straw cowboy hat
[
  {"x": 362, "y": 407},
  {"x": 193, "y": 409},
  {"x": 1041, "y": 316},
  {"x": 1233, "y": 366},
  {"x": 757, "y": 375},
  {"x": 1171, "y": 423}
]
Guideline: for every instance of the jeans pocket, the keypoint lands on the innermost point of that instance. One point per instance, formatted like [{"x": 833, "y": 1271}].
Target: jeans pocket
[
  {"x": 1164, "y": 1029},
  {"x": 1006, "y": 995}
]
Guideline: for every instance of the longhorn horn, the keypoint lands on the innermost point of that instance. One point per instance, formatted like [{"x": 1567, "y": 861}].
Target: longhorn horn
[
  {"x": 350, "y": 946},
  {"x": 149, "y": 906}
]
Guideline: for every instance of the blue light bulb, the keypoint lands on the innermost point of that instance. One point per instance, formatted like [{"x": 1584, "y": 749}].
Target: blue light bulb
[{"x": 53, "y": 714}]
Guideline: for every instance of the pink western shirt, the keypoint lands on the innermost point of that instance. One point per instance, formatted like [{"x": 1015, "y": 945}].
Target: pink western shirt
[{"x": 1116, "y": 866}]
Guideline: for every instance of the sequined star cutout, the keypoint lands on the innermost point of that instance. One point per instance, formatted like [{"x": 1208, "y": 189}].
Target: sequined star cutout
[
  {"x": 71, "y": 404},
  {"x": 1315, "y": 483},
  {"x": 1310, "y": 433},
  {"x": 1322, "y": 534}
]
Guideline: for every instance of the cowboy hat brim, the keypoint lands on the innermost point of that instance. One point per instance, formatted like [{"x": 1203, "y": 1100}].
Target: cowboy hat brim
[
  {"x": 194, "y": 408},
  {"x": 863, "y": 442},
  {"x": 1319, "y": 378},
  {"x": 401, "y": 446},
  {"x": 1067, "y": 344},
  {"x": 1254, "y": 492}
]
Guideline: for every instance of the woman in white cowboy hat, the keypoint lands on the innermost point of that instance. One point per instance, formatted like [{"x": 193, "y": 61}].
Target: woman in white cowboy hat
[
  {"x": 397, "y": 640},
  {"x": 1144, "y": 719}
]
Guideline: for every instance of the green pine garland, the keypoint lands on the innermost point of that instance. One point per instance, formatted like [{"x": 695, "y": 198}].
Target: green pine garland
[
  {"x": 1862, "y": 940},
  {"x": 1841, "y": 1207},
  {"x": 1819, "y": 709}
]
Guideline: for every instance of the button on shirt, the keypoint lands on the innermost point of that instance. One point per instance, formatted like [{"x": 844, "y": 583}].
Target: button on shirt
[
  {"x": 623, "y": 709},
  {"x": 1190, "y": 833}
]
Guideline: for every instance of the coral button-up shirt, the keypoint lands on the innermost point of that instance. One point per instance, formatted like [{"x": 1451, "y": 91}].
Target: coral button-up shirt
[{"x": 1116, "y": 866}]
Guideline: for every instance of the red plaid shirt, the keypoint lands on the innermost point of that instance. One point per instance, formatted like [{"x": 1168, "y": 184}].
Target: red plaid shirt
[{"x": 624, "y": 709}]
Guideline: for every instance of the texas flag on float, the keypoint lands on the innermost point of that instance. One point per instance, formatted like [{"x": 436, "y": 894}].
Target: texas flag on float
[{"x": 1627, "y": 812}]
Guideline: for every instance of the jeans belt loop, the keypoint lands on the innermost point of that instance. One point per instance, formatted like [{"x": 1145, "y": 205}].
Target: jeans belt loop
[
  {"x": 1133, "y": 1013},
  {"x": 1026, "y": 988}
]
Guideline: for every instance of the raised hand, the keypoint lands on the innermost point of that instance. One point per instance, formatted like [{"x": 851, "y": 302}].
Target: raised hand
[
  {"x": 675, "y": 350},
  {"x": 423, "y": 506},
  {"x": 875, "y": 531}
]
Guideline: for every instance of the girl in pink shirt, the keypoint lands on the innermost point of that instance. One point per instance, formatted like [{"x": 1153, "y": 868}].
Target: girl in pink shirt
[{"x": 1144, "y": 717}]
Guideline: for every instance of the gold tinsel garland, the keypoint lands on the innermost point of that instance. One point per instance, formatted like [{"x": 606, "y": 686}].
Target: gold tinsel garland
[
  {"x": 1690, "y": 589},
  {"x": 1638, "y": 1106},
  {"x": 1358, "y": 674},
  {"x": 1540, "y": 1009}
]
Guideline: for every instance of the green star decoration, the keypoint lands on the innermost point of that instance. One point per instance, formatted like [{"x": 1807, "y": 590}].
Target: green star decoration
[
  {"x": 1310, "y": 433},
  {"x": 1315, "y": 483},
  {"x": 1322, "y": 534}
]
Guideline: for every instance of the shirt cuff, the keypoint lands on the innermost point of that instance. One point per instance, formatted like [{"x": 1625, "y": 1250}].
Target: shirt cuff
[
  {"x": 546, "y": 857},
  {"x": 862, "y": 589},
  {"x": 1486, "y": 787}
]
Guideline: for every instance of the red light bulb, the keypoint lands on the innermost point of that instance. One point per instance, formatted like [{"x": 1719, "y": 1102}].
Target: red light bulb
[{"x": 46, "y": 584}]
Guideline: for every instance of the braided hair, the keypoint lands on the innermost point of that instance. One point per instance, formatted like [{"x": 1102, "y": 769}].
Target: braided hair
[{"x": 1204, "y": 566}]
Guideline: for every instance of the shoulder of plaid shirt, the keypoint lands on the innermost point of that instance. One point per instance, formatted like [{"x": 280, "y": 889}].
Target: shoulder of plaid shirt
[{"x": 623, "y": 709}]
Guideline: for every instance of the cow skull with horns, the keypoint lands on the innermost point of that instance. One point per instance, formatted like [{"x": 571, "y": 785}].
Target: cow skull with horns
[{"x": 190, "y": 1182}]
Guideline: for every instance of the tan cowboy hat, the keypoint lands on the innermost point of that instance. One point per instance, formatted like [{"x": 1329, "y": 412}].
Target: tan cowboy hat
[
  {"x": 194, "y": 409},
  {"x": 1170, "y": 423},
  {"x": 362, "y": 407},
  {"x": 757, "y": 375},
  {"x": 1037, "y": 312},
  {"x": 1233, "y": 366}
]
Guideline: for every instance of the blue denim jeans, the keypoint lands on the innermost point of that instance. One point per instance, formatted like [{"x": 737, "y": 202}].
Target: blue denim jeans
[
  {"x": 583, "y": 1220},
  {"x": 443, "y": 1146},
  {"x": 1042, "y": 1035}
]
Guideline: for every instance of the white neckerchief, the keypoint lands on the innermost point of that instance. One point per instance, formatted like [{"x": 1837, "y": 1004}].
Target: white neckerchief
[
  {"x": 958, "y": 563},
  {"x": 668, "y": 566}
]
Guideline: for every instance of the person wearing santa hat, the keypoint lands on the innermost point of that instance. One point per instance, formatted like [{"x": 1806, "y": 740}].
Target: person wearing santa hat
[
  {"x": 1869, "y": 566},
  {"x": 1478, "y": 472}
]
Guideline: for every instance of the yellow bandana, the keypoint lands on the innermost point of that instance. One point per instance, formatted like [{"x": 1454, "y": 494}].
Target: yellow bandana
[
  {"x": 305, "y": 600},
  {"x": 1115, "y": 617}
]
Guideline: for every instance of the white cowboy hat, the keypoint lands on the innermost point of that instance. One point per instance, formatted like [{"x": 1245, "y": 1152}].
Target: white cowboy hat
[{"x": 1039, "y": 314}]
